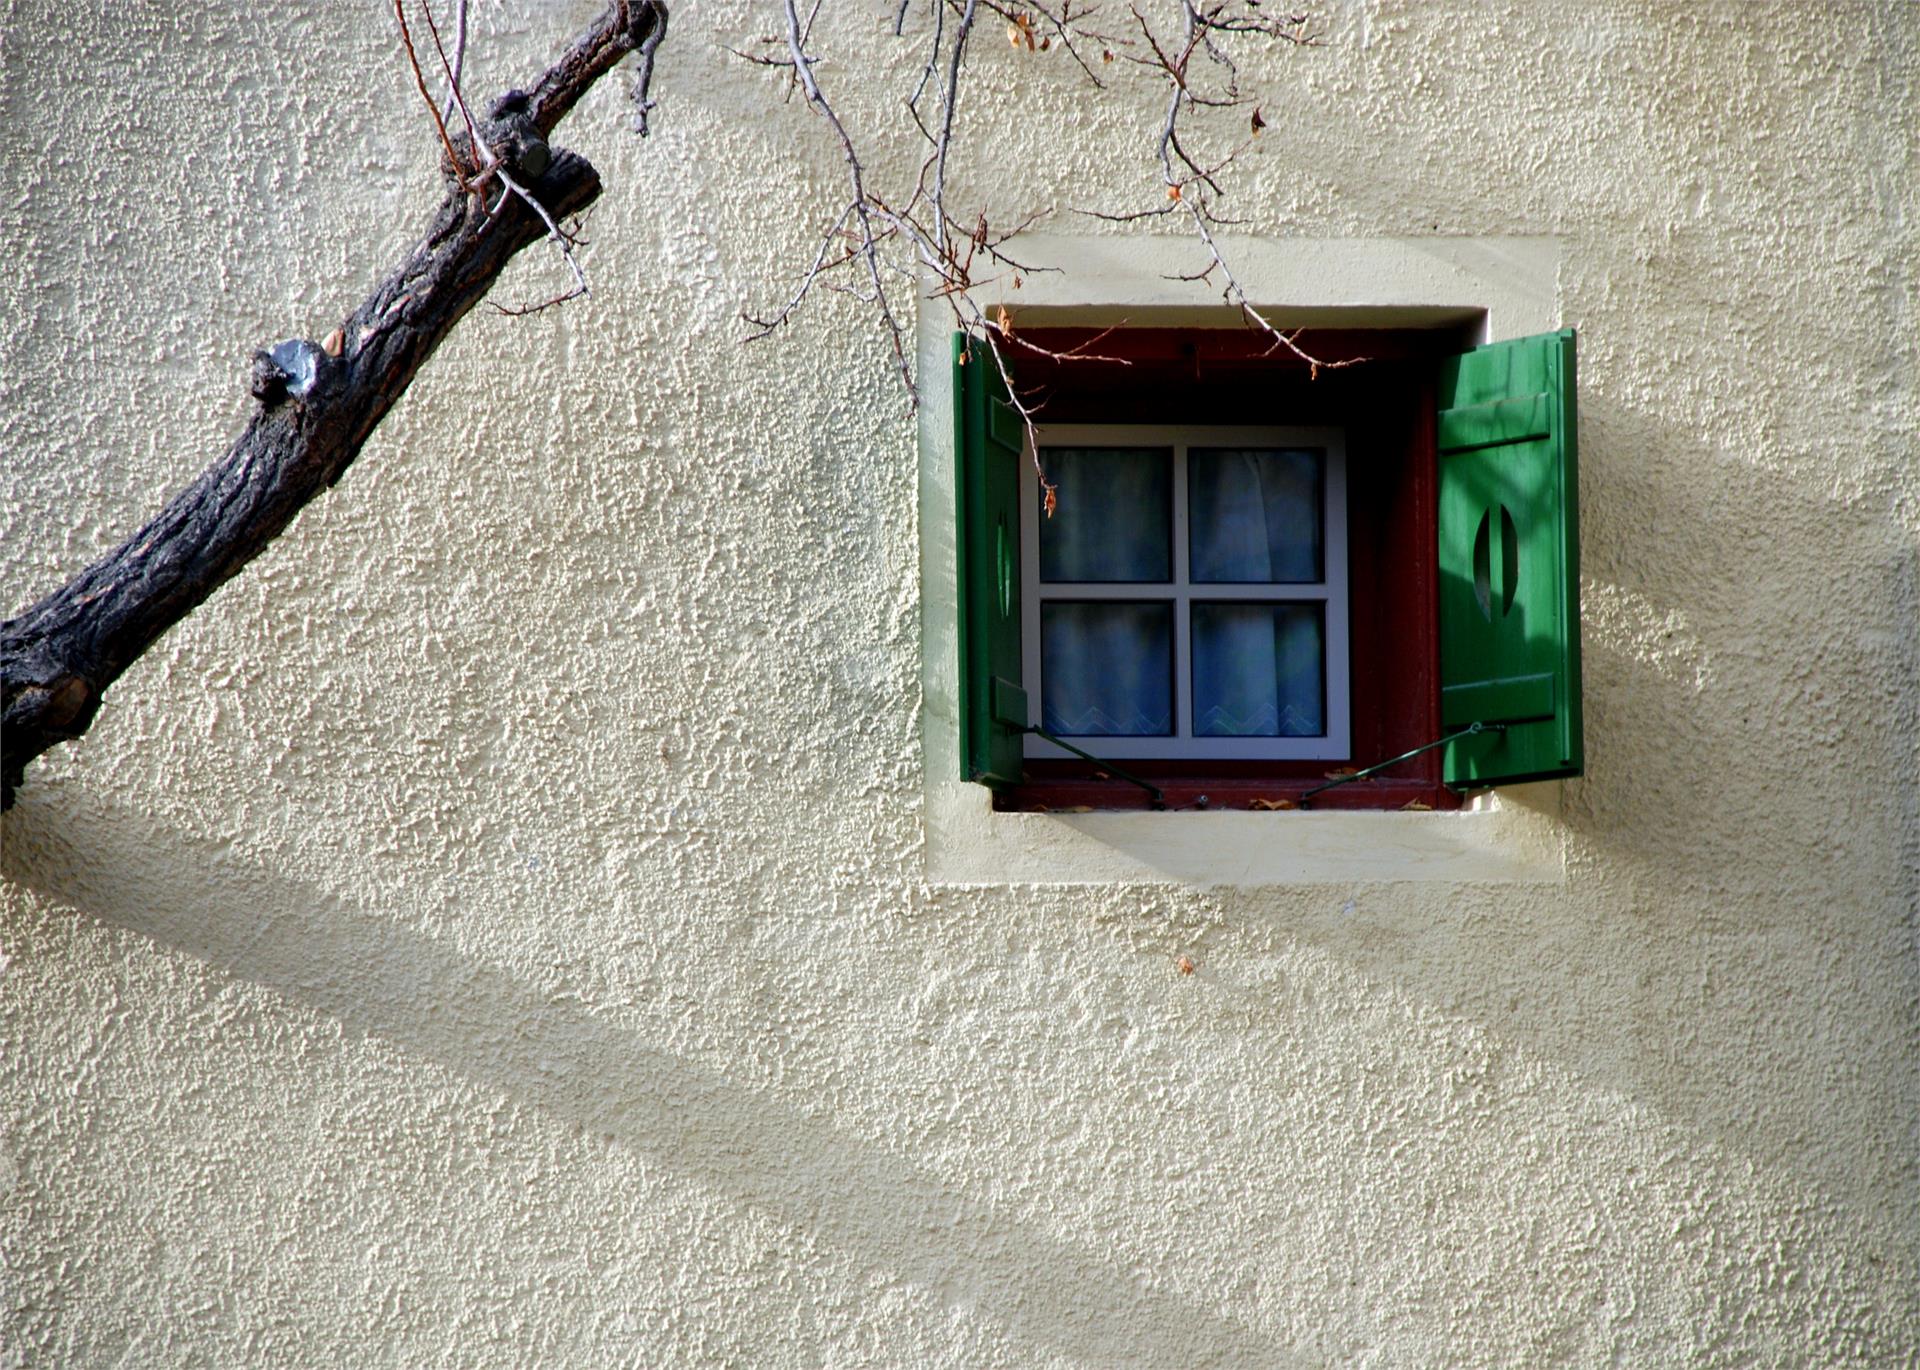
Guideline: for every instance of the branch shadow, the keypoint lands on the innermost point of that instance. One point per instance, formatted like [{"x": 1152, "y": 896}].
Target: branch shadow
[{"x": 378, "y": 977}]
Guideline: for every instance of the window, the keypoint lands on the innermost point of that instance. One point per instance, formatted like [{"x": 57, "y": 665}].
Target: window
[
  {"x": 1188, "y": 599},
  {"x": 1255, "y": 579}
]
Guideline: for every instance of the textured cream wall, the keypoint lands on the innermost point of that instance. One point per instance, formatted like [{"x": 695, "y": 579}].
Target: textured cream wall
[{"x": 499, "y": 929}]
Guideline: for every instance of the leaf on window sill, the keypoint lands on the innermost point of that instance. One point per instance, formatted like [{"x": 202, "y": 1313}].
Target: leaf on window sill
[
  {"x": 1417, "y": 806},
  {"x": 1272, "y": 805},
  {"x": 1343, "y": 771}
]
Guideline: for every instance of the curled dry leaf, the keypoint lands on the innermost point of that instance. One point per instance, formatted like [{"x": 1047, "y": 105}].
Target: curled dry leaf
[
  {"x": 1258, "y": 122},
  {"x": 335, "y": 341},
  {"x": 1184, "y": 964},
  {"x": 1173, "y": 192},
  {"x": 1417, "y": 806},
  {"x": 1106, "y": 54},
  {"x": 1052, "y": 500},
  {"x": 1003, "y": 320},
  {"x": 1341, "y": 771},
  {"x": 1271, "y": 805}
]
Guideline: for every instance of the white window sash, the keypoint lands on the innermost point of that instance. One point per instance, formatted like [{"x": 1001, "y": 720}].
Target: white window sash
[{"x": 1332, "y": 592}]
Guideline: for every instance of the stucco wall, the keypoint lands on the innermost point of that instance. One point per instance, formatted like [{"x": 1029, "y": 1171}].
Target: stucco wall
[{"x": 500, "y": 928}]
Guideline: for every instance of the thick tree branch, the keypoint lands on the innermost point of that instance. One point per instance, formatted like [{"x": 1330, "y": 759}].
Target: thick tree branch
[{"x": 319, "y": 404}]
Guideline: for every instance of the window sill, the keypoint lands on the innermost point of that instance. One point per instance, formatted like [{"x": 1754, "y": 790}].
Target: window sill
[
  {"x": 1224, "y": 793},
  {"x": 1514, "y": 838}
]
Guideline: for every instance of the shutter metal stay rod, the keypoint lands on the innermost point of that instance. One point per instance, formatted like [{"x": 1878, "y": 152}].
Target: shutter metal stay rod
[
  {"x": 1159, "y": 799},
  {"x": 1473, "y": 730}
]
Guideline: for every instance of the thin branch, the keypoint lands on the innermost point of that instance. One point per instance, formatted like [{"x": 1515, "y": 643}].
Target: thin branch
[
  {"x": 1193, "y": 187},
  {"x": 458, "y": 67},
  {"x": 456, "y": 100},
  {"x": 820, "y": 263},
  {"x": 420, "y": 80},
  {"x": 563, "y": 241},
  {"x": 946, "y": 125},
  {"x": 861, "y": 204},
  {"x": 641, "y": 91},
  {"x": 933, "y": 61}
]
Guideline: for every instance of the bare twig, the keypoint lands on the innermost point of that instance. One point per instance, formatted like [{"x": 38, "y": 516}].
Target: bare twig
[
  {"x": 861, "y": 205},
  {"x": 946, "y": 126},
  {"x": 420, "y": 80},
  {"x": 458, "y": 67},
  {"x": 456, "y": 100},
  {"x": 564, "y": 241},
  {"x": 641, "y": 91},
  {"x": 932, "y": 65},
  {"x": 1193, "y": 187}
]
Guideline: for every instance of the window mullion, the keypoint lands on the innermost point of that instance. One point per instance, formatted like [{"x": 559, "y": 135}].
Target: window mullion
[{"x": 1182, "y": 617}]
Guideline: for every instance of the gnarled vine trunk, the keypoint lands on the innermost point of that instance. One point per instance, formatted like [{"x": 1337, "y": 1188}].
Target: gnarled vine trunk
[{"x": 319, "y": 404}]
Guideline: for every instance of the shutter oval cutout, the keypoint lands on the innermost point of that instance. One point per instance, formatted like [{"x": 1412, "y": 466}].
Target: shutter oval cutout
[{"x": 1483, "y": 566}]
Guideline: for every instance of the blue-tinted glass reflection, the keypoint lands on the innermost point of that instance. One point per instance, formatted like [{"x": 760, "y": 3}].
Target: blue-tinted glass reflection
[
  {"x": 1114, "y": 519},
  {"x": 1254, "y": 514},
  {"x": 1258, "y": 670},
  {"x": 1106, "y": 669}
]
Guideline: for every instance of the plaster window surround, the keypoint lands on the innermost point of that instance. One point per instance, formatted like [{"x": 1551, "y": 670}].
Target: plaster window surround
[{"x": 1492, "y": 288}]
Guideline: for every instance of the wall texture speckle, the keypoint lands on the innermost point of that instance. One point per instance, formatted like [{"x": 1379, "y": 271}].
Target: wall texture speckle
[{"x": 497, "y": 929}]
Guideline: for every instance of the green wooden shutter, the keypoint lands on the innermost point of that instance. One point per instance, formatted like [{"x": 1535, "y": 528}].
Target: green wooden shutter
[
  {"x": 1510, "y": 561},
  {"x": 987, "y": 440}
]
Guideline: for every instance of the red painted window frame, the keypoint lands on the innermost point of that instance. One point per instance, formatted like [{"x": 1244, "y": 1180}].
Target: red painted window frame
[{"x": 1385, "y": 402}]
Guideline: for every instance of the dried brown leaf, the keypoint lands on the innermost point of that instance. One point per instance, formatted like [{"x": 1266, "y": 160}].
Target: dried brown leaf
[{"x": 1184, "y": 965}]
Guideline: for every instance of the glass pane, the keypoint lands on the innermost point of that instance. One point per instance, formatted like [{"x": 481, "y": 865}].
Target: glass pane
[
  {"x": 1114, "y": 518},
  {"x": 1255, "y": 514},
  {"x": 1258, "y": 670},
  {"x": 1106, "y": 669}
]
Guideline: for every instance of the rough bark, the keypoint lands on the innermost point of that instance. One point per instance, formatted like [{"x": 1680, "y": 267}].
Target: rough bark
[{"x": 319, "y": 403}]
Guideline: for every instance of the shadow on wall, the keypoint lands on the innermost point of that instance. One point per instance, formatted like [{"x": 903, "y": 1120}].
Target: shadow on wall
[
  {"x": 1736, "y": 943},
  {"x": 378, "y": 977}
]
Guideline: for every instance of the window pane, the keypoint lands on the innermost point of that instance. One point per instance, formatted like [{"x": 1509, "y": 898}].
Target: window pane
[
  {"x": 1106, "y": 669},
  {"x": 1114, "y": 520},
  {"x": 1258, "y": 670},
  {"x": 1255, "y": 514}
]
